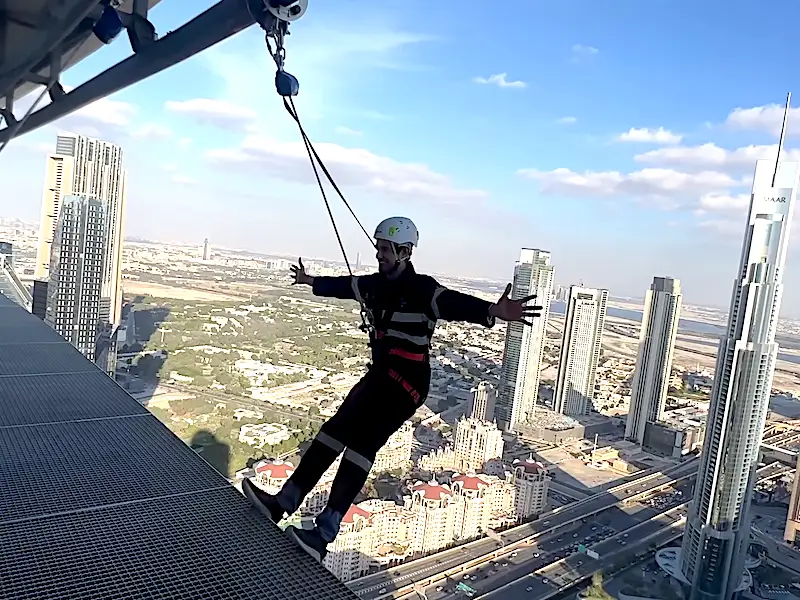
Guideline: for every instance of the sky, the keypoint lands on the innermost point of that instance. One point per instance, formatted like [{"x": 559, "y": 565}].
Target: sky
[{"x": 622, "y": 136}]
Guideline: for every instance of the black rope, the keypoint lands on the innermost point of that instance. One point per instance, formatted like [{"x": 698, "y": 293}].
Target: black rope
[
  {"x": 290, "y": 108},
  {"x": 366, "y": 317}
]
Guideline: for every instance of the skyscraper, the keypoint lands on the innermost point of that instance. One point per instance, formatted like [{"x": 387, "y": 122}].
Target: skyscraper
[
  {"x": 717, "y": 529},
  {"x": 74, "y": 304},
  {"x": 84, "y": 166},
  {"x": 206, "y": 249},
  {"x": 662, "y": 309},
  {"x": 484, "y": 397},
  {"x": 524, "y": 348},
  {"x": 580, "y": 350}
]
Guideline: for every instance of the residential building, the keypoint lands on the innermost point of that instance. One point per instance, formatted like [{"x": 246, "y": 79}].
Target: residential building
[
  {"x": 531, "y": 482},
  {"x": 580, "y": 350},
  {"x": 476, "y": 443},
  {"x": 86, "y": 167},
  {"x": 75, "y": 305},
  {"x": 662, "y": 309},
  {"x": 484, "y": 396},
  {"x": 524, "y": 345},
  {"x": 396, "y": 452}
]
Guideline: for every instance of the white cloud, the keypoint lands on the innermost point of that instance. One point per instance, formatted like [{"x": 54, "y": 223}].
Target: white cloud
[
  {"x": 567, "y": 120},
  {"x": 349, "y": 166},
  {"x": 500, "y": 80},
  {"x": 724, "y": 202},
  {"x": 220, "y": 113},
  {"x": 103, "y": 119},
  {"x": 580, "y": 51},
  {"x": 183, "y": 179},
  {"x": 764, "y": 118},
  {"x": 727, "y": 227},
  {"x": 347, "y": 131},
  {"x": 153, "y": 131},
  {"x": 711, "y": 156},
  {"x": 666, "y": 188},
  {"x": 650, "y": 136}
]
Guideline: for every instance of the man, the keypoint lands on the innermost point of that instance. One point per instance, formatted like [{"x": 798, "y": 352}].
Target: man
[{"x": 401, "y": 308}]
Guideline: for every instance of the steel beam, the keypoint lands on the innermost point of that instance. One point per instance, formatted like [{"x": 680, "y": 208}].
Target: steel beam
[
  {"x": 218, "y": 23},
  {"x": 57, "y": 31}
]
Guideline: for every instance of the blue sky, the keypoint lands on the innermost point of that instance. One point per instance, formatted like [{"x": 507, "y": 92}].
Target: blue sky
[{"x": 620, "y": 136}]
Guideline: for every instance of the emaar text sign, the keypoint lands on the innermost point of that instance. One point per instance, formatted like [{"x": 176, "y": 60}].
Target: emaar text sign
[{"x": 772, "y": 200}]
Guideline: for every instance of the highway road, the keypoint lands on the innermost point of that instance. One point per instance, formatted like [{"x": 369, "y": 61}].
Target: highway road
[
  {"x": 537, "y": 566},
  {"x": 383, "y": 583},
  {"x": 569, "y": 573},
  {"x": 545, "y": 581}
]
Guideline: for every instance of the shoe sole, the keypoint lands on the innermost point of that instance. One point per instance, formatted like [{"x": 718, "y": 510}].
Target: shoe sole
[
  {"x": 290, "y": 531},
  {"x": 247, "y": 488}
]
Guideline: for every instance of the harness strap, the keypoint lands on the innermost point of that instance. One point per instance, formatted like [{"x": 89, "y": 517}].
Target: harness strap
[
  {"x": 415, "y": 356},
  {"x": 406, "y": 386}
]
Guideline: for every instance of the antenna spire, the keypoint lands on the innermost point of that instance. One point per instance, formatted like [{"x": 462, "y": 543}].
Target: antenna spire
[{"x": 782, "y": 138}]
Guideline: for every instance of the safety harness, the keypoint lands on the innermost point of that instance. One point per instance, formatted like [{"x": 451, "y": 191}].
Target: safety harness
[{"x": 275, "y": 23}]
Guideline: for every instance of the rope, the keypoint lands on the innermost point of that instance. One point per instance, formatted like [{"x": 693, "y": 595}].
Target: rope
[
  {"x": 278, "y": 55},
  {"x": 314, "y": 159},
  {"x": 290, "y": 108}
]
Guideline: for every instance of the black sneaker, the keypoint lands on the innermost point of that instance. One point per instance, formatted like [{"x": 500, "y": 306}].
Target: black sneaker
[
  {"x": 264, "y": 502},
  {"x": 309, "y": 540}
]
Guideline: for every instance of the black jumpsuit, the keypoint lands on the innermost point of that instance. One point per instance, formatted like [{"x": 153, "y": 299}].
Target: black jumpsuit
[{"x": 405, "y": 312}]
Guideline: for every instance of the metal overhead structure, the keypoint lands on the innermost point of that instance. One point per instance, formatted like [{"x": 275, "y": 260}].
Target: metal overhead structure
[{"x": 40, "y": 39}]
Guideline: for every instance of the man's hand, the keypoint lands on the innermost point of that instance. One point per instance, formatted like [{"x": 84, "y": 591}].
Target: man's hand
[
  {"x": 515, "y": 310},
  {"x": 299, "y": 273}
]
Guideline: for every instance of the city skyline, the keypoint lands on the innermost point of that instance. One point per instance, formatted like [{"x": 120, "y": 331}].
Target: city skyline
[
  {"x": 717, "y": 527},
  {"x": 627, "y": 156},
  {"x": 206, "y": 148}
]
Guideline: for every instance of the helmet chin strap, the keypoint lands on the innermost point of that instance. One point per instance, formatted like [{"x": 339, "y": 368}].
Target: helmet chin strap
[{"x": 397, "y": 260}]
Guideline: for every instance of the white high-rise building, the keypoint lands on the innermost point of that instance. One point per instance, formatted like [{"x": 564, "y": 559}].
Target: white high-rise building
[
  {"x": 477, "y": 442},
  {"x": 662, "y": 309},
  {"x": 484, "y": 397},
  {"x": 712, "y": 558},
  {"x": 580, "y": 350},
  {"x": 531, "y": 481},
  {"x": 524, "y": 348},
  {"x": 74, "y": 303},
  {"x": 93, "y": 169}
]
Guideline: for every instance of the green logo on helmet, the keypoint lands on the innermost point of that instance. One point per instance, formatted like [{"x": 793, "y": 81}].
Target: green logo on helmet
[{"x": 393, "y": 230}]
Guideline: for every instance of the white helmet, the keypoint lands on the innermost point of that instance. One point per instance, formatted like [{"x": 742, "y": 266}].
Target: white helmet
[{"x": 399, "y": 230}]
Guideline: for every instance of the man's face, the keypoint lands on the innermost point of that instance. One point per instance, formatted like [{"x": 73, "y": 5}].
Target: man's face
[{"x": 386, "y": 256}]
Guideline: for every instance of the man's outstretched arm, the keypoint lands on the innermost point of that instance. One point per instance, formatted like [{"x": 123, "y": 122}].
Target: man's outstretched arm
[
  {"x": 450, "y": 305},
  {"x": 343, "y": 287}
]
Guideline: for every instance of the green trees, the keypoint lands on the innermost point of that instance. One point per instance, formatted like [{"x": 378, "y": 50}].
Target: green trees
[{"x": 596, "y": 591}]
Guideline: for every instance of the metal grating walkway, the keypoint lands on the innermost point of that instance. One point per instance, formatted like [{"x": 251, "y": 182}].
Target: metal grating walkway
[{"x": 100, "y": 501}]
